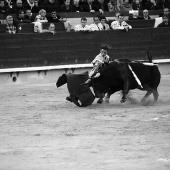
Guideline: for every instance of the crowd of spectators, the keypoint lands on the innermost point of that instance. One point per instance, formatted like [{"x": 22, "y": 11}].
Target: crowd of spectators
[
  {"x": 24, "y": 11},
  {"x": 100, "y": 24},
  {"x": 15, "y": 6}
]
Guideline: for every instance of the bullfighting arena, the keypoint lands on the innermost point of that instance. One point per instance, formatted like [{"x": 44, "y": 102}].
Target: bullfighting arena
[{"x": 40, "y": 130}]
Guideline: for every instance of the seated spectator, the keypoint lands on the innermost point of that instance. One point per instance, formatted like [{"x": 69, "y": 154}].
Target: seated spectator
[
  {"x": 94, "y": 26},
  {"x": 11, "y": 29},
  {"x": 125, "y": 5},
  {"x": 134, "y": 16},
  {"x": 3, "y": 7},
  {"x": 76, "y": 7},
  {"x": 18, "y": 6},
  {"x": 120, "y": 24},
  {"x": 41, "y": 17},
  {"x": 50, "y": 5},
  {"x": 102, "y": 25},
  {"x": 136, "y": 5},
  {"x": 103, "y": 5},
  {"x": 159, "y": 4},
  {"x": 92, "y": 6},
  {"x": 10, "y": 4},
  {"x": 114, "y": 6},
  {"x": 82, "y": 26},
  {"x": 55, "y": 18},
  {"x": 165, "y": 12},
  {"x": 28, "y": 4},
  {"x": 145, "y": 15},
  {"x": 28, "y": 18},
  {"x": 165, "y": 22},
  {"x": 66, "y": 7},
  {"x": 35, "y": 8},
  {"x": 20, "y": 17},
  {"x": 149, "y": 5}
]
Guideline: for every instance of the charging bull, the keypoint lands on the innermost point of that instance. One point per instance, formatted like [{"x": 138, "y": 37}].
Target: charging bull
[{"x": 126, "y": 76}]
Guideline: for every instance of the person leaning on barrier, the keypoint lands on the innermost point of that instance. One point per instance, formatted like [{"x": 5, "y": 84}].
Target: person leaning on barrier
[
  {"x": 103, "y": 25},
  {"x": 94, "y": 26},
  {"x": 11, "y": 29},
  {"x": 120, "y": 24},
  {"x": 51, "y": 29},
  {"x": 165, "y": 22},
  {"x": 83, "y": 27}
]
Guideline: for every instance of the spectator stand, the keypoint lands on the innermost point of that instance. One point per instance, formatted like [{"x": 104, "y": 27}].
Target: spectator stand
[{"x": 74, "y": 17}]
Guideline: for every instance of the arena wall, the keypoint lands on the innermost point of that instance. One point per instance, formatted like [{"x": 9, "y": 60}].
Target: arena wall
[{"x": 32, "y": 50}]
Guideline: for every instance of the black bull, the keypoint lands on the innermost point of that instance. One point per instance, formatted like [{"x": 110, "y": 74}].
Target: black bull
[
  {"x": 114, "y": 77},
  {"x": 126, "y": 76}
]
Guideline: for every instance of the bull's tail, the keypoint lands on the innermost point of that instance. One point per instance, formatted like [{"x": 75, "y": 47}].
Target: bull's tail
[{"x": 149, "y": 56}]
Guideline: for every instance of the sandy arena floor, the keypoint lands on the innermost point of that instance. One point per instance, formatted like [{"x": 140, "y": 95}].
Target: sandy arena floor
[{"x": 40, "y": 130}]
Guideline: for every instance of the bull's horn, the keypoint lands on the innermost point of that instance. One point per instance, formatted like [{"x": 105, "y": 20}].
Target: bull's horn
[
  {"x": 97, "y": 75},
  {"x": 86, "y": 82}
]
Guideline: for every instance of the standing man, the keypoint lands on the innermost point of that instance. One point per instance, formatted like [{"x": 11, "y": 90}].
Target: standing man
[
  {"x": 82, "y": 26},
  {"x": 120, "y": 24}
]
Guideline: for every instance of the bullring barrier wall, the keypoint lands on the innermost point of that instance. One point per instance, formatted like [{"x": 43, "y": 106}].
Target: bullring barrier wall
[{"x": 34, "y": 50}]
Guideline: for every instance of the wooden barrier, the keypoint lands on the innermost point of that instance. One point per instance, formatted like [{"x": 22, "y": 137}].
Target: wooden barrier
[
  {"x": 32, "y": 50},
  {"x": 29, "y": 28}
]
